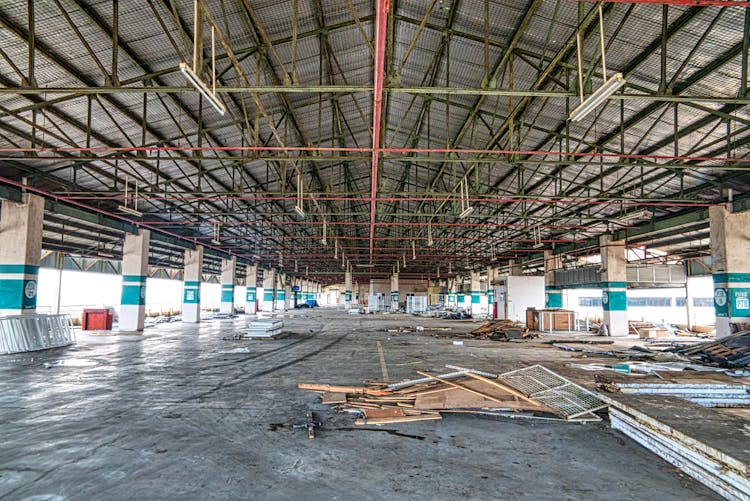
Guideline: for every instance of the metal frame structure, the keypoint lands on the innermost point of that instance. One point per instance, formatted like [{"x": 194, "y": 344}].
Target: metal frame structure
[{"x": 377, "y": 112}]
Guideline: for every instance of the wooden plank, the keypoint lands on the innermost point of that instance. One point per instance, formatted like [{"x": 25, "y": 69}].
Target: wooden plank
[
  {"x": 342, "y": 389},
  {"x": 503, "y": 387},
  {"x": 333, "y": 398},
  {"x": 459, "y": 399},
  {"x": 404, "y": 419},
  {"x": 463, "y": 387},
  {"x": 383, "y": 413}
]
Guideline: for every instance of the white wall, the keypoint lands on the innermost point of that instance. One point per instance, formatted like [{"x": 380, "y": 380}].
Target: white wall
[
  {"x": 523, "y": 293},
  {"x": 700, "y": 287}
]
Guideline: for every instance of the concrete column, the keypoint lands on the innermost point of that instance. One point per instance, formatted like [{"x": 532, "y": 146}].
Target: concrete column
[
  {"x": 228, "y": 268},
  {"x": 251, "y": 295},
  {"x": 191, "y": 295},
  {"x": 271, "y": 289},
  {"x": 268, "y": 279},
  {"x": 614, "y": 285},
  {"x": 348, "y": 288},
  {"x": 491, "y": 274},
  {"x": 287, "y": 293},
  {"x": 552, "y": 294},
  {"x": 20, "y": 253},
  {"x": 515, "y": 269},
  {"x": 394, "y": 291},
  {"x": 730, "y": 254},
  {"x": 372, "y": 288},
  {"x": 134, "y": 273},
  {"x": 475, "y": 307},
  {"x": 280, "y": 301},
  {"x": 452, "y": 298}
]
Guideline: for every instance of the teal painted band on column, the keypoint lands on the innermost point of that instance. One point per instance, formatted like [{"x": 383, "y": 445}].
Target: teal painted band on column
[
  {"x": 727, "y": 278},
  {"x": 460, "y": 298},
  {"x": 250, "y": 294},
  {"x": 614, "y": 300},
  {"x": 227, "y": 293},
  {"x": 191, "y": 296},
  {"x": 133, "y": 290},
  {"x": 394, "y": 296},
  {"x": 19, "y": 269},
  {"x": 267, "y": 295},
  {"x": 191, "y": 292},
  {"x": 476, "y": 297},
  {"x": 451, "y": 298},
  {"x": 280, "y": 295},
  {"x": 18, "y": 294},
  {"x": 613, "y": 285},
  {"x": 348, "y": 296},
  {"x": 553, "y": 299}
]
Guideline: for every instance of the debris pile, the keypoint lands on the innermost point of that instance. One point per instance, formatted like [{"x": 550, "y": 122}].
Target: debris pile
[
  {"x": 704, "y": 394},
  {"x": 503, "y": 330},
  {"x": 732, "y": 351},
  {"x": 531, "y": 392}
]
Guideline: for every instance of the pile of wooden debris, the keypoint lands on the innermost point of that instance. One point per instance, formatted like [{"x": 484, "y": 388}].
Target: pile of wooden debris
[
  {"x": 731, "y": 351},
  {"x": 503, "y": 330},
  {"x": 531, "y": 392}
]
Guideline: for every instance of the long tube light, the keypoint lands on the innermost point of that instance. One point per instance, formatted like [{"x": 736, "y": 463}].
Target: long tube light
[
  {"x": 598, "y": 97},
  {"x": 198, "y": 84}
]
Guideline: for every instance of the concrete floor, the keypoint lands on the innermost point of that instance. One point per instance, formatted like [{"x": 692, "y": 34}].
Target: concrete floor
[{"x": 167, "y": 415}]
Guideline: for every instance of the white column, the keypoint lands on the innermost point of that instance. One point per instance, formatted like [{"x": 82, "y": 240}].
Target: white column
[
  {"x": 614, "y": 285},
  {"x": 348, "y": 288},
  {"x": 394, "y": 291},
  {"x": 191, "y": 294},
  {"x": 251, "y": 295},
  {"x": 730, "y": 256},
  {"x": 552, "y": 294},
  {"x": 475, "y": 307},
  {"x": 20, "y": 253},
  {"x": 134, "y": 274},
  {"x": 228, "y": 268},
  {"x": 287, "y": 293},
  {"x": 268, "y": 279}
]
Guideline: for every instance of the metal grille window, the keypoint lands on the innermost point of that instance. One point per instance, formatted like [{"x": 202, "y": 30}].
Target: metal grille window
[
  {"x": 634, "y": 302},
  {"x": 590, "y": 301}
]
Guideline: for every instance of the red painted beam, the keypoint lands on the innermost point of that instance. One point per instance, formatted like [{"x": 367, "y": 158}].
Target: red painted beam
[
  {"x": 381, "y": 23},
  {"x": 691, "y": 3}
]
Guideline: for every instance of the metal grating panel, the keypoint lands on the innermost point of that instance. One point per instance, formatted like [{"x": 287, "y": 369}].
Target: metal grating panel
[{"x": 567, "y": 398}]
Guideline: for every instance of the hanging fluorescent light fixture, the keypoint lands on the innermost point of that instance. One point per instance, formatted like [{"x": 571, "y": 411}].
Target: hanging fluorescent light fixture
[
  {"x": 192, "y": 73},
  {"x": 413, "y": 250},
  {"x": 299, "y": 207},
  {"x": 430, "y": 241},
  {"x": 598, "y": 97},
  {"x": 133, "y": 211},
  {"x": 202, "y": 88},
  {"x": 609, "y": 87},
  {"x": 324, "y": 240},
  {"x": 215, "y": 239},
  {"x": 466, "y": 208}
]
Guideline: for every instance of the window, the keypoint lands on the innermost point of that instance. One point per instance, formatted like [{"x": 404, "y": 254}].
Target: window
[
  {"x": 635, "y": 302},
  {"x": 590, "y": 301},
  {"x": 703, "y": 302}
]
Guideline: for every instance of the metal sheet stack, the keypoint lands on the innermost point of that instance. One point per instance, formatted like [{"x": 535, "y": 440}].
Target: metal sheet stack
[
  {"x": 708, "y": 446},
  {"x": 707, "y": 395},
  {"x": 264, "y": 329},
  {"x": 21, "y": 333}
]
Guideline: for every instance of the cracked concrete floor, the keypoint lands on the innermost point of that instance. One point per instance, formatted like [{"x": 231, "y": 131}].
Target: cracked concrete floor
[{"x": 171, "y": 415}]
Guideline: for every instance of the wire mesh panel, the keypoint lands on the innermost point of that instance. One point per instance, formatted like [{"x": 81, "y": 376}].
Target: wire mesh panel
[
  {"x": 571, "y": 401},
  {"x": 35, "y": 332}
]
